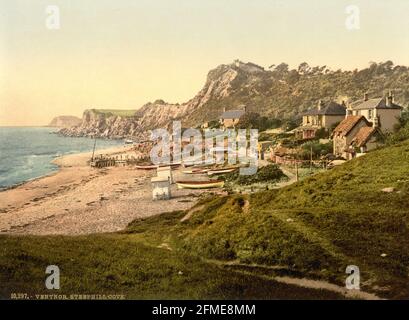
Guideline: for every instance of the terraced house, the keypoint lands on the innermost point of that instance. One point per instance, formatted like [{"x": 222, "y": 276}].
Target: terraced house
[
  {"x": 355, "y": 134},
  {"x": 364, "y": 126},
  {"x": 231, "y": 118},
  {"x": 383, "y": 112},
  {"x": 324, "y": 116}
]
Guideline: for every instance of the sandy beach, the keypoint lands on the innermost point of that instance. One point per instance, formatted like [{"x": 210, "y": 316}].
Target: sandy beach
[{"x": 79, "y": 199}]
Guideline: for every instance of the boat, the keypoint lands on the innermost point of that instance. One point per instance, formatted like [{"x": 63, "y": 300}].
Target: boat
[
  {"x": 172, "y": 165},
  {"x": 221, "y": 171},
  {"x": 146, "y": 167},
  {"x": 196, "y": 171},
  {"x": 128, "y": 141},
  {"x": 200, "y": 184}
]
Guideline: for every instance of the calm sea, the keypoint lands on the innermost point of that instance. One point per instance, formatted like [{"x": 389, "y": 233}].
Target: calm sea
[{"x": 26, "y": 153}]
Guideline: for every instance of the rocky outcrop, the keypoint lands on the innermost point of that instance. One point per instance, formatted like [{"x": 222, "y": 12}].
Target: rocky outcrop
[
  {"x": 277, "y": 93},
  {"x": 103, "y": 125},
  {"x": 65, "y": 122}
]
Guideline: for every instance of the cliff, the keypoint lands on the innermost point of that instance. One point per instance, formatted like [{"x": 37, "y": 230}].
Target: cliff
[
  {"x": 103, "y": 124},
  {"x": 277, "y": 93},
  {"x": 65, "y": 122}
]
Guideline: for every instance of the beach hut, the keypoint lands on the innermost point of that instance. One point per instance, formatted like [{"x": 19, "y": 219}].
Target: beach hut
[
  {"x": 160, "y": 188},
  {"x": 165, "y": 172}
]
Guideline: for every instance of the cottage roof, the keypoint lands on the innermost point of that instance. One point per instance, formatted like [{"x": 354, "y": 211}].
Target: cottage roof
[
  {"x": 232, "y": 114},
  {"x": 330, "y": 109},
  {"x": 348, "y": 124},
  {"x": 363, "y": 135},
  {"x": 376, "y": 103}
]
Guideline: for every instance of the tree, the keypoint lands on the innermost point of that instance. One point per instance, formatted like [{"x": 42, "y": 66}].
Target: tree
[{"x": 304, "y": 68}]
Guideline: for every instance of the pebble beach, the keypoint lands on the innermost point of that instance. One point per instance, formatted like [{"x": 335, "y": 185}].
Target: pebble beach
[{"x": 80, "y": 200}]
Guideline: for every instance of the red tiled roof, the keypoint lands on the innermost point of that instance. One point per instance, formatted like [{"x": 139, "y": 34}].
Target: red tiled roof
[
  {"x": 348, "y": 124},
  {"x": 363, "y": 136}
]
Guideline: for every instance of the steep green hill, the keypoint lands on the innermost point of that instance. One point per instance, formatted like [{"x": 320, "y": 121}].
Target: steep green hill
[
  {"x": 236, "y": 246},
  {"x": 320, "y": 225}
]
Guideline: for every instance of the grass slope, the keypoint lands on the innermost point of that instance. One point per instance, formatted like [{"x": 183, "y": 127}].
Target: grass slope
[
  {"x": 129, "y": 265},
  {"x": 231, "y": 247},
  {"x": 320, "y": 225}
]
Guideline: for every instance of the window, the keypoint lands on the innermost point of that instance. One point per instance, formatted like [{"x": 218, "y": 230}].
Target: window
[{"x": 370, "y": 113}]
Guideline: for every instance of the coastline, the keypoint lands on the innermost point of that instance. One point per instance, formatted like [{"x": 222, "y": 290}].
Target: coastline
[{"x": 77, "y": 199}]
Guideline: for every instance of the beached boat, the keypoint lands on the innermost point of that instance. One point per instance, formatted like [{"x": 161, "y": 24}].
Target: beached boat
[
  {"x": 200, "y": 184},
  {"x": 196, "y": 171},
  {"x": 128, "y": 141},
  {"x": 221, "y": 171},
  {"x": 172, "y": 165},
  {"x": 146, "y": 167}
]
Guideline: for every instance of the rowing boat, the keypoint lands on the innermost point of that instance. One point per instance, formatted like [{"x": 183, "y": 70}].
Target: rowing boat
[
  {"x": 220, "y": 171},
  {"x": 200, "y": 184},
  {"x": 146, "y": 167},
  {"x": 196, "y": 171}
]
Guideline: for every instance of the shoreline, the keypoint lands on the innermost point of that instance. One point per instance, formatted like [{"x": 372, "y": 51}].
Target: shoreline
[{"x": 77, "y": 199}]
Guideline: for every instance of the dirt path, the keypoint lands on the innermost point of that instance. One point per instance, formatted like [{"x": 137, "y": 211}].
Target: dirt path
[
  {"x": 300, "y": 282},
  {"x": 291, "y": 179}
]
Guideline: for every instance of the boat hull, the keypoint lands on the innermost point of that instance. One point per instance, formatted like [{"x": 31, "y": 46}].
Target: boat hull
[
  {"x": 221, "y": 171},
  {"x": 146, "y": 167},
  {"x": 199, "y": 184}
]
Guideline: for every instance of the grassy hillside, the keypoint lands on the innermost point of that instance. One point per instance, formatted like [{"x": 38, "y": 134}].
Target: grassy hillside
[
  {"x": 320, "y": 225},
  {"x": 233, "y": 246},
  {"x": 133, "y": 265}
]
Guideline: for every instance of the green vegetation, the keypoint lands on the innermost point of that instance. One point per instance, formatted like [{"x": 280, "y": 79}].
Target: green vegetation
[
  {"x": 252, "y": 120},
  {"x": 284, "y": 93},
  {"x": 320, "y": 225},
  {"x": 115, "y": 112},
  {"x": 318, "y": 149},
  {"x": 233, "y": 246},
  {"x": 136, "y": 263},
  {"x": 267, "y": 174}
]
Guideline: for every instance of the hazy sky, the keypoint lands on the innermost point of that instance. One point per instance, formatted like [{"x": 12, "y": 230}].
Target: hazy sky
[{"x": 124, "y": 53}]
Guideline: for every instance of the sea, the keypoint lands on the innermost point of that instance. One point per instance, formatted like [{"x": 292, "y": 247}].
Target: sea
[{"x": 26, "y": 152}]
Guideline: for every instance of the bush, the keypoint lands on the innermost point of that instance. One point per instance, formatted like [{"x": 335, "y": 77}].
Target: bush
[{"x": 269, "y": 173}]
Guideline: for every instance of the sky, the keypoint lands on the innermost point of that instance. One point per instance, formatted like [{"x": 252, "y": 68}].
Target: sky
[{"x": 124, "y": 53}]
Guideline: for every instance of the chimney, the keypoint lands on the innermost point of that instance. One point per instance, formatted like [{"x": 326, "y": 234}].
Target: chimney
[
  {"x": 389, "y": 99},
  {"x": 366, "y": 96},
  {"x": 320, "y": 104},
  {"x": 375, "y": 121},
  {"x": 348, "y": 111}
]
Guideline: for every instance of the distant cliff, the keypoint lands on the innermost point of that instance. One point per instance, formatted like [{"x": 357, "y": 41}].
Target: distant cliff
[
  {"x": 65, "y": 122},
  {"x": 278, "y": 92},
  {"x": 104, "y": 124}
]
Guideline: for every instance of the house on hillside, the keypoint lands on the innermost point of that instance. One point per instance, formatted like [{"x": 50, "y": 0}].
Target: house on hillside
[
  {"x": 383, "y": 112},
  {"x": 355, "y": 134},
  {"x": 324, "y": 116},
  {"x": 231, "y": 118}
]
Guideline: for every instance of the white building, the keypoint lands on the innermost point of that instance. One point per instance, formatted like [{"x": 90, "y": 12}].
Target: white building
[{"x": 160, "y": 188}]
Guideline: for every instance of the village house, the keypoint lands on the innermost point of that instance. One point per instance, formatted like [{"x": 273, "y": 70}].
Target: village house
[
  {"x": 355, "y": 134},
  {"x": 324, "y": 116},
  {"x": 231, "y": 118},
  {"x": 382, "y": 111}
]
